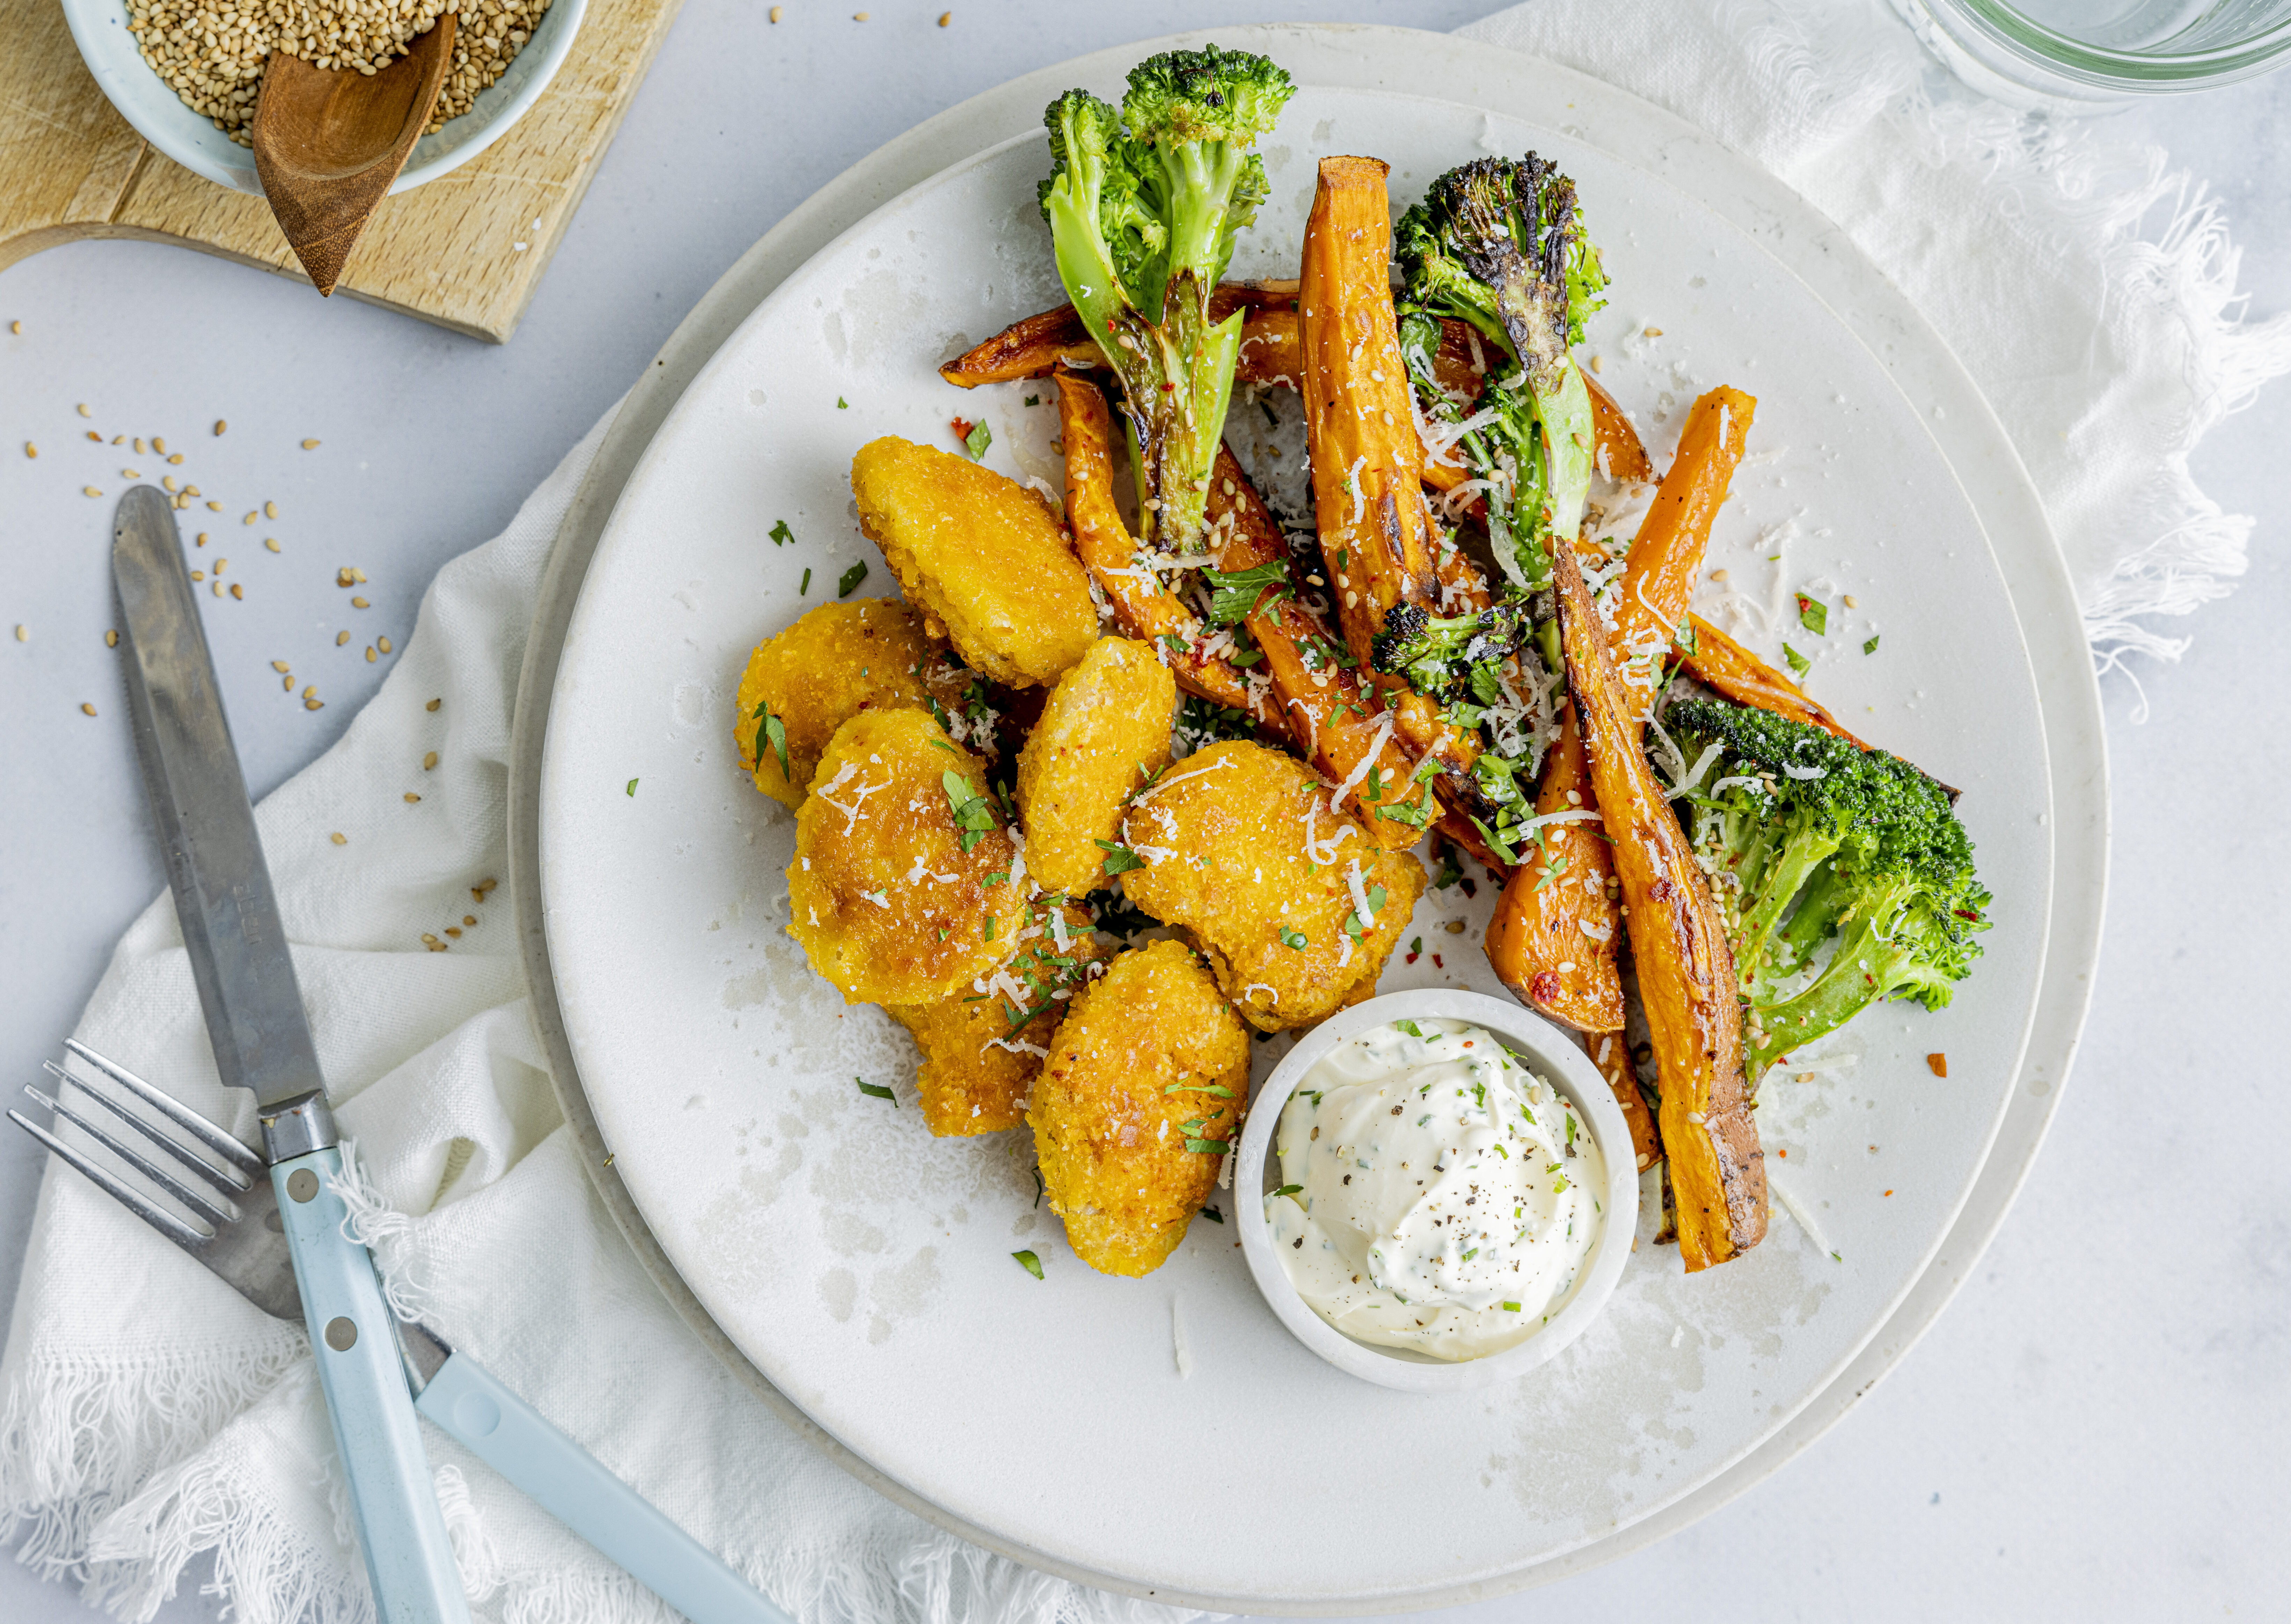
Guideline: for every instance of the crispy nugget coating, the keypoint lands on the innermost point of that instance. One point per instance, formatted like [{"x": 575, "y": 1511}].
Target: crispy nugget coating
[
  {"x": 840, "y": 659},
  {"x": 1104, "y": 729},
  {"x": 1225, "y": 836},
  {"x": 982, "y": 1052},
  {"x": 881, "y": 896},
  {"x": 983, "y": 557},
  {"x": 1152, "y": 1056}
]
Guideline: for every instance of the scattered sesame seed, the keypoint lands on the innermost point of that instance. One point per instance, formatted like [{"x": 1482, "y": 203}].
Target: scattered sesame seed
[
  {"x": 1852, "y": 602},
  {"x": 311, "y": 689},
  {"x": 340, "y": 637},
  {"x": 220, "y": 426},
  {"x": 91, "y": 490},
  {"x": 370, "y": 655},
  {"x": 310, "y": 445},
  {"x": 202, "y": 538},
  {"x": 168, "y": 481},
  {"x": 214, "y": 507},
  {"x": 119, "y": 439},
  {"x": 30, "y": 450},
  {"x": 84, "y": 412},
  {"x": 269, "y": 510},
  {"x": 160, "y": 446},
  {"x": 1654, "y": 331},
  {"x": 270, "y": 541},
  {"x": 411, "y": 798},
  {"x": 250, "y": 518},
  {"x": 1598, "y": 363},
  {"x": 382, "y": 643},
  {"x": 111, "y": 640},
  {"x": 433, "y": 705},
  {"x": 23, "y": 634},
  {"x": 435, "y": 946},
  {"x": 175, "y": 457},
  {"x": 429, "y": 760},
  {"x": 131, "y": 473},
  {"x": 238, "y": 591},
  {"x": 198, "y": 575},
  {"x": 314, "y": 704},
  {"x": 360, "y": 603},
  {"x": 287, "y": 683},
  {"x": 137, "y": 443},
  {"x": 468, "y": 918},
  {"x": 339, "y": 837},
  {"x": 222, "y": 565},
  {"x": 455, "y": 932},
  {"x": 280, "y": 665},
  {"x": 92, "y": 434},
  {"x": 87, "y": 709},
  {"x": 482, "y": 886},
  {"x": 15, "y": 326}
]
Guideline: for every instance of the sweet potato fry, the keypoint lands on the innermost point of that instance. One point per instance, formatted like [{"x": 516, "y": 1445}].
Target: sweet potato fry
[
  {"x": 1621, "y": 455},
  {"x": 1146, "y": 609},
  {"x": 1040, "y": 344},
  {"x": 1718, "y": 662},
  {"x": 1553, "y": 936},
  {"x": 1367, "y": 464},
  {"x": 1344, "y": 732},
  {"x": 1679, "y": 946}
]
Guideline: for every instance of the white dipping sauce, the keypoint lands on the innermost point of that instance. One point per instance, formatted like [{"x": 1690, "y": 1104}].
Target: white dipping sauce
[{"x": 1446, "y": 1197}]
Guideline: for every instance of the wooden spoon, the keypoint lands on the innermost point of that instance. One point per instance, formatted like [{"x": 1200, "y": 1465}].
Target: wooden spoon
[{"x": 328, "y": 142}]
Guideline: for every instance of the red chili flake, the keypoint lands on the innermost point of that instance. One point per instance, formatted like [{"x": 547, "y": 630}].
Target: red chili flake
[
  {"x": 1412, "y": 958},
  {"x": 1889, "y": 1191},
  {"x": 1543, "y": 987},
  {"x": 962, "y": 426},
  {"x": 1437, "y": 964},
  {"x": 1939, "y": 1063}
]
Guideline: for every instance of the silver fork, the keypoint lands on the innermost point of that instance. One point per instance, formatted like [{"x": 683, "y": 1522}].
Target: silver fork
[{"x": 234, "y": 1227}]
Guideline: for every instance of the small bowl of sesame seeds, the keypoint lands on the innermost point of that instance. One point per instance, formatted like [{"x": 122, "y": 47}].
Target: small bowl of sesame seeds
[{"x": 186, "y": 73}]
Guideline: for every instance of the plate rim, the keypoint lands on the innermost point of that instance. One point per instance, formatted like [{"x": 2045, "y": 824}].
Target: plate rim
[{"x": 1972, "y": 443}]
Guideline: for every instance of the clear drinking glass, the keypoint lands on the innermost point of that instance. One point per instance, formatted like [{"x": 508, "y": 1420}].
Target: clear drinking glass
[{"x": 2082, "y": 55}]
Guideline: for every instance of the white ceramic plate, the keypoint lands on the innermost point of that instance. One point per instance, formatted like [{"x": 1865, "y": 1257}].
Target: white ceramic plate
[
  {"x": 864, "y": 1269},
  {"x": 99, "y": 27}
]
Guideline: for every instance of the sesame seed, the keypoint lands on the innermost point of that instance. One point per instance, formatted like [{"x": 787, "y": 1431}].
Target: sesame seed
[
  {"x": 369, "y": 653},
  {"x": 220, "y": 426},
  {"x": 92, "y": 434},
  {"x": 270, "y": 541},
  {"x": 84, "y": 412},
  {"x": 310, "y": 445},
  {"x": 23, "y": 634},
  {"x": 1598, "y": 363},
  {"x": 269, "y": 510},
  {"x": 87, "y": 709},
  {"x": 1852, "y": 602},
  {"x": 139, "y": 444},
  {"x": 1654, "y": 331},
  {"x": 214, "y": 507},
  {"x": 15, "y": 326},
  {"x": 382, "y": 643},
  {"x": 429, "y": 760},
  {"x": 251, "y": 517},
  {"x": 30, "y": 450},
  {"x": 411, "y": 798},
  {"x": 468, "y": 918},
  {"x": 314, "y": 704},
  {"x": 198, "y": 575},
  {"x": 287, "y": 683},
  {"x": 237, "y": 591},
  {"x": 310, "y": 690},
  {"x": 340, "y": 637},
  {"x": 360, "y": 603},
  {"x": 433, "y": 705},
  {"x": 222, "y": 565},
  {"x": 160, "y": 446},
  {"x": 91, "y": 490},
  {"x": 111, "y": 640},
  {"x": 279, "y": 665},
  {"x": 202, "y": 538},
  {"x": 176, "y": 457},
  {"x": 339, "y": 837}
]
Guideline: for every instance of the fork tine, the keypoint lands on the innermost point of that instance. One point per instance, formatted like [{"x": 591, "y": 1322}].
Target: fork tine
[
  {"x": 226, "y": 1183},
  {"x": 167, "y": 1223},
  {"x": 141, "y": 1163},
  {"x": 165, "y": 1104}
]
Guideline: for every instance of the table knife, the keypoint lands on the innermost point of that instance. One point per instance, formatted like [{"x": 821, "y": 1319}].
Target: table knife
[{"x": 262, "y": 1041}]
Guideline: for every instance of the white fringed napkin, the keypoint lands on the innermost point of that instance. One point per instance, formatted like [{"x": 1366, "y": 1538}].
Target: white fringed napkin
[{"x": 149, "y": 1416}]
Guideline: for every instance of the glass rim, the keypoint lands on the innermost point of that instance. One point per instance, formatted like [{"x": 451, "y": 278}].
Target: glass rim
[{"x": 2104, "y": 66}]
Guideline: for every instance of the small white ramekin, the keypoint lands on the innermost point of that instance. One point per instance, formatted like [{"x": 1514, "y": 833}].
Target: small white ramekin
[
  {"x": 149, "y": 103},
  {"x": 1554, "y": 1054}
]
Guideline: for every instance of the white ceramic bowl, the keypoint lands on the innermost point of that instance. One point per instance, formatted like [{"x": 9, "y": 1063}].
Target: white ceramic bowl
[
  {"x": 147, "y": 102},
  {"x": 1554, "y": 1056}
]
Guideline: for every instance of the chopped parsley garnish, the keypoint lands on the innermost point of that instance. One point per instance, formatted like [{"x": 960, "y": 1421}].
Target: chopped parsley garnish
[
  {"x": 1033, "y": 400},
  {"x": 1814, "y": 614},
  {"x": 1559, "y": 1185},
  {"x": 771, "y": 733},
  {"x": 841, "y": 404},
  {"x": 973, "y": 814},
  {"x": 1119, "y": 858},
  {"x": 877, "y": 1090},
  {"x": 803, "y": 588},
  {"x": 1294, "y": 939},
  {"x": 1415, "y": 813},
  {"x": 1451, "y": 871},
  {"x": 1870, "y": 647},
  {"x": 1511, "y": 1308},
  {"x": 1471, "y": 1253},
  {"x": 1217, "y": 1088},
  {"x": 1290, "y": 1190},
  {"x": 848, "y": 582},
  {"x": 977, "y": 440},
  {"x": 1030, "y": 1263},
  {"x": 1233, "y": 594},
  {"x": 1213, "y": 1215},
  {"x": 780, "y": 533},
  {"x": 1409, "y": 1027},
  {"x": 1797, "y": 661},
  {"x": 633, "y": 786},
  {"x": 1214, "y": 1147},
  {"x": 1039, "y": 1187}
]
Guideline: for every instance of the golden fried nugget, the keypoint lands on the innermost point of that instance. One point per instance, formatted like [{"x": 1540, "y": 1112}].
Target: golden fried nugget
[
  {"x": 983, "y": 557},
  {"x": 1104, "y": 731},
  {"x": 1242, "y": 854},
  {"x": 884, "y": 899},
  {"x": 983, "y": 1046},
  {"x": 1150, "y": 1064},
  {"x": 840, "y": 659}
]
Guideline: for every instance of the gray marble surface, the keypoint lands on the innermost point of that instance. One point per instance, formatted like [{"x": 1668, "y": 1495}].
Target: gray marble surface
[{"x": 2097, "y": 1428}]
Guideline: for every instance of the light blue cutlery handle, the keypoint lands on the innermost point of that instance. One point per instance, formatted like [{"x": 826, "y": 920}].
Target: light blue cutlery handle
[
  {"x": 408, "y": 1558},
  {"x": 512, "y": 1436}
]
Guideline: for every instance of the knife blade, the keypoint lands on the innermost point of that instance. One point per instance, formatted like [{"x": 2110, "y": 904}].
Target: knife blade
[{"x": 261, "y": 1040}]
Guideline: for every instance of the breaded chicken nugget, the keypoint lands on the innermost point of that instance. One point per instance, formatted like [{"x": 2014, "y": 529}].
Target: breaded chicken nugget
[
  {"x": 900, "y": 892},
  {"x": 1241, "y": 853},
  {"x": 842, "y": 658},
  {"x": 983, "y": 1046},
  {"x": 1104, "y": 731},
  {"x": 984, "y": 558},
  {"x": 1142, "y": 1092}
]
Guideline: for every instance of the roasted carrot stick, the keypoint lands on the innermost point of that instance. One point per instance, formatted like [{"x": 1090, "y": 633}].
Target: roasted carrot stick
[
  {"x": 1678, "y": 946},
  {"x": 1621, "y": 455},
  {"x": 1038, "y": 344},
  {"x": 1342, "y": 728},
  {"x": 1146, "y": 609},
  {"x": 1718, "y": 661},
  {"x": 1553, "y": 936}
]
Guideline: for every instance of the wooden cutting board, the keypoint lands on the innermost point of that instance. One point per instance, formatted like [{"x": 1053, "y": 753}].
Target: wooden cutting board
[{"x": 464, "y": 250}]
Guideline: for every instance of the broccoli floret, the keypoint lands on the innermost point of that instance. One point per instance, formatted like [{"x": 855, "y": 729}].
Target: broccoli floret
[
  {"x": 1436, "y": 654},
  {"x": 1809, "y": 837},
  {"x": 1142, "y": 221},
  {"x": 1501, "y": 244}
]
